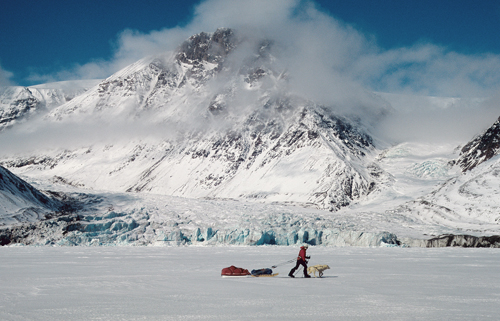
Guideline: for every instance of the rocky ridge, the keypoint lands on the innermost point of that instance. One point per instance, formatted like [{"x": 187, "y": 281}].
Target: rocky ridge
[
  {"x": 480, "y": 149},
  {"x": 20, "y": 202}
]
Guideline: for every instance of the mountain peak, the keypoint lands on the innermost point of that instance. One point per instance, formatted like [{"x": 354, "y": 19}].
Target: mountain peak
[
  {"x": 222, "y": 125},
  {"x": 208, "y": 47},
  {"x": 480, "y": 149}
]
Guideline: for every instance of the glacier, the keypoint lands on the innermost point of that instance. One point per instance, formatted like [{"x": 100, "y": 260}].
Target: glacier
[
  {"x": 156, "y": 220},
  {"x": 129, "y": 219}
]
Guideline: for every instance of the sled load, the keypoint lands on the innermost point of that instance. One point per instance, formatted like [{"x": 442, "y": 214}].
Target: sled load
[
  {"x": 259, "y": 272},
  {"x": 234, "y": 271}
]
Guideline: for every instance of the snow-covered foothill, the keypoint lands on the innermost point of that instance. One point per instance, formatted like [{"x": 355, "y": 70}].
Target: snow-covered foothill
[{"x": 20, "y": 202}]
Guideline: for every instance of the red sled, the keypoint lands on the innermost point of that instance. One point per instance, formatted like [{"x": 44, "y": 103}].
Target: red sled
[{"x": 234, "y": 271}]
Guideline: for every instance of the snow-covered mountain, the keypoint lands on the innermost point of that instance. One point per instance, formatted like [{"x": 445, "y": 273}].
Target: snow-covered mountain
[
  {"x": 18, "y": 103},
  {"x": 208, "y": 144},
  {"x": 20, "y": 202},
  {"x": 238, "y": 132},
  {"x": 481, "y": 148},
  {"x": 467, "y": 200}
]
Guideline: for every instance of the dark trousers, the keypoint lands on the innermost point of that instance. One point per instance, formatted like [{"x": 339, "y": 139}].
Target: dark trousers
[{"x": 299, "y": 263}]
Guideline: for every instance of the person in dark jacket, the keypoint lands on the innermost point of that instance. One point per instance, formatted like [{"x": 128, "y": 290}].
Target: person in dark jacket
[{"x": 301, "y": 260}]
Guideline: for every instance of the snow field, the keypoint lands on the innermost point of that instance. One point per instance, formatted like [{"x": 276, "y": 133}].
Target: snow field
[{"x": 184, "y": 283}]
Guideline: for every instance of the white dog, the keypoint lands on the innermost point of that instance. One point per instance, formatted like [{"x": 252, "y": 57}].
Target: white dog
[{"x": 317, "y": 268}]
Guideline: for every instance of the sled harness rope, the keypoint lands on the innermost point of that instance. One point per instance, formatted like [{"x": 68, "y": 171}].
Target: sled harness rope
[{"x": 282, "y": 263}]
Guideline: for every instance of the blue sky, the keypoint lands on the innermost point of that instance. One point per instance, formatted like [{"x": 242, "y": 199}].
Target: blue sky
[{"x": 421, "y": 45}]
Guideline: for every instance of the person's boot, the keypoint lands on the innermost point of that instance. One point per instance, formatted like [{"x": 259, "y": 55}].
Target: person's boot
[
  {"x": 307, "y": 276},
  {"x": 291, "y": 274}
]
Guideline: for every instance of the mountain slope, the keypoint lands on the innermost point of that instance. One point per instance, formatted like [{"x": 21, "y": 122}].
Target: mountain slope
[
  {"x": 19, "y": 103},
  {"x": 21, "y": 202},
  {"x": 480, "y": 149},
  {"x": 212, "y": 122},
  {"x": 467, "y": 200},
  {"x": 464, "y": 202}
]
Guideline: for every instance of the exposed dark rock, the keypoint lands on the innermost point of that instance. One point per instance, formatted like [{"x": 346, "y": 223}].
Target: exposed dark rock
[
  {"x": 451, "y": 240},
  {"x": 47, "y": 231},
  {"x": 20, "y": 108},
  {"x": 481, "y": 149},
  {"x": 212, "y": 48}
]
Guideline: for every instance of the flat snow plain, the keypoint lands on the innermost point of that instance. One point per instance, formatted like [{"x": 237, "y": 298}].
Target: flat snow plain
[{"x": 184, "y": 283}]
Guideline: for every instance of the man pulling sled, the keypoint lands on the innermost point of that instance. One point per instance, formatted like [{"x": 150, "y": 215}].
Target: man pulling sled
[{"x": 301, "y": 260}]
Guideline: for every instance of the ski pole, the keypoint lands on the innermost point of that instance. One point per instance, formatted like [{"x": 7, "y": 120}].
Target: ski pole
[{"x": 298, "y": 270}]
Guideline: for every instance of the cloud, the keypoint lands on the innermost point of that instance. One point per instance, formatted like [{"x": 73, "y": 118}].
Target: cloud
[
  {"x": 436, "y": 119},
  {"x": 5, "y": 77},
  {"x": 430, "y": 70},
  {"x": 315, "y": 45},
  {"x": 332, "y": 63},
  {"x": 39, "y": 135},
  {"x": 239, "y": 14},
  {"x": 318, "y": 46},
  {"x": 129, "y": 47},
  {"x": 316, "y": 50}
]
